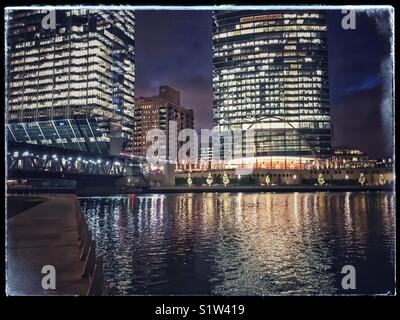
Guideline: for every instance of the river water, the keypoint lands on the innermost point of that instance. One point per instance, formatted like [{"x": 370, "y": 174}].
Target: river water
[{"x": 245, "y": 243}]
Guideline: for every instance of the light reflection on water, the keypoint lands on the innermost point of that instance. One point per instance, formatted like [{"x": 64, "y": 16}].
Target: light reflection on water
[{"x": 243, "y": 243}]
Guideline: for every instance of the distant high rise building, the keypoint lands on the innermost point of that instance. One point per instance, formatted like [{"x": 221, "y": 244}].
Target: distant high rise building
[
  {"x": 71, "y": 85},
  {"x": 270, "y": 74},
  {"x": 156, "y": 112}
]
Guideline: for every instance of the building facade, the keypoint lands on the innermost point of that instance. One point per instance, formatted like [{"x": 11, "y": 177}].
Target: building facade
[
  {"x": 156, "y": 112},
  {"x": 270, "y": 74},
  {"x": 70, "y": 78}
]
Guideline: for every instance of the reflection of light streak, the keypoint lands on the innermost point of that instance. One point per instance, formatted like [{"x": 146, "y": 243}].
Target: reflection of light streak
[
  {"x": 245, "y": 255},
  {"x": 239, "y": 207},
  {"x": 315, "y": 209},
  {"x": 121, "y": 219},
  {"x": 296, "y": 208},
  {"x": 133, "y": 200},
  {"x": 348, "y": 223},
  {"x": 306, "y": 214},
  {"x": 161, "y": 210},
  {"x": 153, "y": 211},
  {"x": 208, "y": 209},
  {"x": 142, "y": 205}
]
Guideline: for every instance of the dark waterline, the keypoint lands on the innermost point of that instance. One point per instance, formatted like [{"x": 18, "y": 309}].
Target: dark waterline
[{"x": 245, "y": 244}]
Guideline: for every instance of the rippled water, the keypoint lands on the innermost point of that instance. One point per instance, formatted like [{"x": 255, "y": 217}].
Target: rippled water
[{"x": 243, "y": 243}]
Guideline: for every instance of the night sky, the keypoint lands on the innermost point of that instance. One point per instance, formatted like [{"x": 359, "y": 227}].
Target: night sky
[{"x": 174, "y": 48}]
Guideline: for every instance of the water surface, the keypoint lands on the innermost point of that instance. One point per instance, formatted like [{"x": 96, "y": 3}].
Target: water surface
[{"x": 244, "y": 243}]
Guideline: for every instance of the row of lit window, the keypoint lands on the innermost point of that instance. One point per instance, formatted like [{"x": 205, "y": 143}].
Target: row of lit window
[
  {"x": 262, "y": 55},
  {"x": 279, "y": 16},
  {"x": 244, "y": 78},
  {"x": 264, "y": 43},
  {"x": 267, "y": 63},
  {"x": 260, "y": 43},
  {"x": 295, "y": 115},
  {"x": 283, "y": 29},
  {"x": 307, "y": 85},
  {"x": 237, "y": 84},
  {"x": 56, "y": 101},
  {"x": 259, "y": 110},
  {"x": 301, "y": 125},
  {"x": 261, "y": 67},
  {"x": 258, "y": 104},
  {"x": 273, "y": 22},
  {"x": 255, "y": 98}
]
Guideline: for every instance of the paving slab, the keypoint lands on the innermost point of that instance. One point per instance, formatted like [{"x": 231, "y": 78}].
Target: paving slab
[{"x": 46, "y": 234}]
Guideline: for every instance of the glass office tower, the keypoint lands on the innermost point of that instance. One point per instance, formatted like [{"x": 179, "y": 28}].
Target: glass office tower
[
  {"x": 71, "y": 84},
  {"x": 270, "y": 74}
]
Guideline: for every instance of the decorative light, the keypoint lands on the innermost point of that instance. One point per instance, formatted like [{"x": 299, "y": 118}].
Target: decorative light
[
  {"x": 321, "y": 179},
  {"x": 381, "y": 180},
  {"x": 267, "y": 180},
  {"x": 361, "y": 179},
  {"x": 189, "y": 180},
  {"x": 209, "y": 179},
  {"x": 225, "y": 179}
]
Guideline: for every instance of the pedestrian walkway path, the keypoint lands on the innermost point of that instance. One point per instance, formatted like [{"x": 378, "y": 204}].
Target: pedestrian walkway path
[{"x": 46, "y": 234}]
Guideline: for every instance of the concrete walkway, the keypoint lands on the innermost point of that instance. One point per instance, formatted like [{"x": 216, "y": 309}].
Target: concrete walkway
[{"x": 45, "y": 234}]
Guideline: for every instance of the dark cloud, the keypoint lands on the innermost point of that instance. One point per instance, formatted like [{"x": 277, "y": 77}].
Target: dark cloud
[
  {"x": 360, "y": 82},
  {"x": 357, "y": 122}
]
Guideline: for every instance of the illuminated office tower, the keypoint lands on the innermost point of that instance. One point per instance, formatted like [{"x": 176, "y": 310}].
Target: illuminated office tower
[
  {"x": 270, "y": 74},
  {"x": 71, "y": 84}
]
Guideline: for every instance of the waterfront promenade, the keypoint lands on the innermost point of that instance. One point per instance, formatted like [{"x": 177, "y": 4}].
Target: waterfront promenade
[{"x": 46, "y": 233}]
